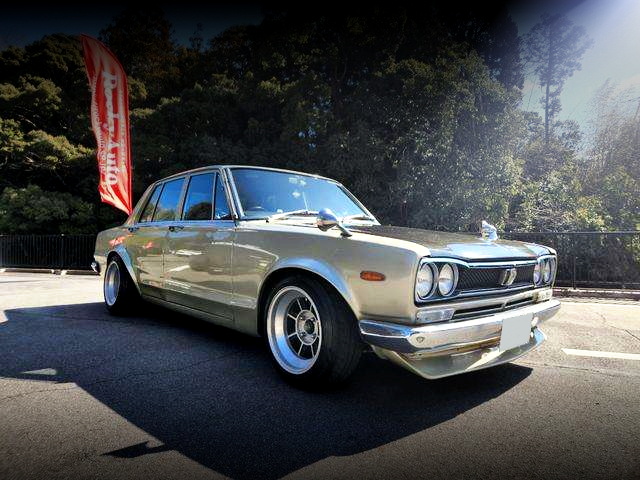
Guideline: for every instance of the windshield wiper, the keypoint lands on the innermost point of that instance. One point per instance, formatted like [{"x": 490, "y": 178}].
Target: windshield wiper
[
  {"x": 293, "y": 213},
  {"x": 357, "y": 216}
]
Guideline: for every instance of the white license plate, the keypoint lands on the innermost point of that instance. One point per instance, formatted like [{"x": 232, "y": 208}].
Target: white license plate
[{"x": 515, "y": 331}]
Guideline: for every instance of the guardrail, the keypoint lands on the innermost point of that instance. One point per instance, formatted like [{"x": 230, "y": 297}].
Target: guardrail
[{"x": 585, "y": 259}]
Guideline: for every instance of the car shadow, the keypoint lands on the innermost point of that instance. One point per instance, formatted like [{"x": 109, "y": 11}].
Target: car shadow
[{"x": 212, "y": 394}]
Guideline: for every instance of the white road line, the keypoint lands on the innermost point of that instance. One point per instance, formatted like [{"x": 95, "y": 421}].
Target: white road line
[
  {"x": 601, "y": 303},
  {"x": 596, "y": 353}
]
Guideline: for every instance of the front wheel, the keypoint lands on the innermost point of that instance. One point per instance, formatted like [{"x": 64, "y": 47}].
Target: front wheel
[
  {"x": 311, "y": 333},
  {"x": 120, "y": 293}
]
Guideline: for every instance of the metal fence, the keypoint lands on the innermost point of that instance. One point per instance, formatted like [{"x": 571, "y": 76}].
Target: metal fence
[
  {"x": 64, "y": 252},
  {"x": 587, "y": 259},
  {"x": 592, "y": 259}
]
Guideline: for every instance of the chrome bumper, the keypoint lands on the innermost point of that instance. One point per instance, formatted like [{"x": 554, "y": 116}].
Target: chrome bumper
[{"x": 444, "y": 349}]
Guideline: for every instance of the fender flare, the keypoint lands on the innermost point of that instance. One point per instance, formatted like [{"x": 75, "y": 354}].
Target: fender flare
[
  {"x": 319, "y": 268},
  {"x": 126, "y": 259}
]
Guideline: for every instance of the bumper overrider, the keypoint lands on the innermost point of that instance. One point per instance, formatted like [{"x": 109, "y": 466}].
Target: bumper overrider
[{"x": 448, "y": 348}]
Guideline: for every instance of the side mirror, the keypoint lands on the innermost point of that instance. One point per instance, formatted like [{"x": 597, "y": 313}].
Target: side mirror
[{"x": 326, "y": 220}]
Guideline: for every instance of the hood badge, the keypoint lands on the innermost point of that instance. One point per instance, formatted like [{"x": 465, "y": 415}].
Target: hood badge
[{"x": 488, "y": 232}]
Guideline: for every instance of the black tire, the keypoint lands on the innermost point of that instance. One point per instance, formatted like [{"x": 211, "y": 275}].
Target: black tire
[
  {"x": 123, "y": 298},
  {"x": 340, "y": 346}
]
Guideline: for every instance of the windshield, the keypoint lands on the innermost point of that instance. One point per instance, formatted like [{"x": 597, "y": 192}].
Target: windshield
[{"x": 265, "y": 192}]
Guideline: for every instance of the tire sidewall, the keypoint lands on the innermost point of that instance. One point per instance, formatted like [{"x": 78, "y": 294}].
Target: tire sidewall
[
  {"x": 327, "y": 311},
  {"x": 124, "y": 294}
]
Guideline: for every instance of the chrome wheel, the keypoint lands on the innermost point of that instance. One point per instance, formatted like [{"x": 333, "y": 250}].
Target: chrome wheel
[
  {"x": 111, "y": 283},
  {"x": 294, "y": 329}
]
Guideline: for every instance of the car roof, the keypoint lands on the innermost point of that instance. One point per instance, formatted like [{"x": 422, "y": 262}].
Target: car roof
[{"x": 231, "y": 167}]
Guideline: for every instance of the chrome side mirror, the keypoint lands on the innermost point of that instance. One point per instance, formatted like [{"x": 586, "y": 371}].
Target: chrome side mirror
[{"x": 326, "y": 220}]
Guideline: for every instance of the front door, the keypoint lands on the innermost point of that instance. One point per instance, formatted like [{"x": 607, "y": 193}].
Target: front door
[{"x": 197, "y": 258}]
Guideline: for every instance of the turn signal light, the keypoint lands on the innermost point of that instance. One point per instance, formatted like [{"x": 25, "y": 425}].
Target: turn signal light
[{"x": 372, "y": 276}]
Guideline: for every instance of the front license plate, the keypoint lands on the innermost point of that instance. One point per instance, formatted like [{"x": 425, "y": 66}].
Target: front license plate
[{"x": 515, "y": 331}]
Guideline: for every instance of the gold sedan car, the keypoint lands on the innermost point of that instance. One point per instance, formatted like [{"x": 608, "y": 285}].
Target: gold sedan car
[{"x": 297, "y": 259}]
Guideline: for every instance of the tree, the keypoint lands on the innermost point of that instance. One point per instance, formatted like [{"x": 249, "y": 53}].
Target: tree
[
  {"x": 33, "y": 210},
  {"x": 554, "y": 48},
  {"x": 613, "y": 168},
  {"x": 142, "y": 41}
]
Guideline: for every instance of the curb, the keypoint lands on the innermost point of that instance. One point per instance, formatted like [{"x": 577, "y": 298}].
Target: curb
[
  {"x": 51, "y": 271},
  {"x": 596, "y": 293}
]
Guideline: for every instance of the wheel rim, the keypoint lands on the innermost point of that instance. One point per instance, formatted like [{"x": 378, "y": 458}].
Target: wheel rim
[
  {"x": 294, "y": 330},
  {"x": 111, "y": 283}
]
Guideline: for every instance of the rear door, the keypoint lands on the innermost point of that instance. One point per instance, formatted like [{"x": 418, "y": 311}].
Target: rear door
[
  {"x": 197, "y": 258},
  {"x": 146, "y": 245}
]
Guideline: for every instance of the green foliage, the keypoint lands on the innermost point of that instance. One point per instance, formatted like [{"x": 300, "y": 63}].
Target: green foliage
[
  {"x": 33, "y": 210},
  {"x": 415, "y": 109}
]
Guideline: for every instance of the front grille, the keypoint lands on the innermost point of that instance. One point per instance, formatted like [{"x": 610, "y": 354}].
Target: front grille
[
  {"x": 467, "y": 313},
  {"x": 525, "y": 274},
  {"x": 478, "y": 278},
  {"x": 486, "y": 278}
]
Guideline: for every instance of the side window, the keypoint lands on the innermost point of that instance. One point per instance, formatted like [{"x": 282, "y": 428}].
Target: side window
[
  {"x": 198, "y": 203},
  {"x": 147, "y": 213},
  {"x": 222, "y": 211},
  {"x": 169, "y": 199}
]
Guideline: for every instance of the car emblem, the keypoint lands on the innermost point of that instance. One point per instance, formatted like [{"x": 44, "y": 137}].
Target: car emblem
[{"x": 507, "y": 276}]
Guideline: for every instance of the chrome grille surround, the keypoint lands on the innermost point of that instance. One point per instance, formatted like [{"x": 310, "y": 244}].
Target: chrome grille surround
[{"x": 479, "y": 278}]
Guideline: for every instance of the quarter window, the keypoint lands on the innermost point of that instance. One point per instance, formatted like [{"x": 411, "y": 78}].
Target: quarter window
[
  {"x": 198, "y": 204},
  {"x": 147, "y": 213},
  {"x": 169, "y": 199}
]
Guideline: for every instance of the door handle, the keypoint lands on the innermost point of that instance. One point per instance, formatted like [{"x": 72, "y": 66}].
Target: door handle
[
  {"x": 175, "y": 228},
  {"x": 133, "y": 229}
]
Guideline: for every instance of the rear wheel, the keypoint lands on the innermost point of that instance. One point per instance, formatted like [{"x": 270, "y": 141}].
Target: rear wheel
[
  {"x": 120, "y": 294},
  {"x": 311, "y": 333}
]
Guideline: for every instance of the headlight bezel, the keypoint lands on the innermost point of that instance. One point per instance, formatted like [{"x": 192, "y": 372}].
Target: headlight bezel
[
  {"x": 434, "y": 278},
  {"x": 454, "y": 279},
  {"x": 537, "y": 271},
  {"x": 546, "y": 269},
  {"x": 434, "y": 292}
]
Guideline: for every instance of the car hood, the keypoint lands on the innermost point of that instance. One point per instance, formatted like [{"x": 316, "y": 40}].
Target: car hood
[{"x": 456, "y": 245}]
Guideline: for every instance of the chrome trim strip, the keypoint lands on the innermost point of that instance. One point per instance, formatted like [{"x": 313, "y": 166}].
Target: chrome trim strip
[
  {"x": 485, "y": 301},
  {"x": 450, "y": 336},
  {"x": 229, "y": 190},
  {"x": 489, "y": 291},
  {"x": 504, "y": 263},
  {"x": 234, "y": 194}
]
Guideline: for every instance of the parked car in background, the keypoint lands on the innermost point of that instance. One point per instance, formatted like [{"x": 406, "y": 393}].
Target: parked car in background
[{"x": 297, "y": 259}]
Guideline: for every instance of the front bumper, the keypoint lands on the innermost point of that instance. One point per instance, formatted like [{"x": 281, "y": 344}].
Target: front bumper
[{"x": 443, "y": 349}]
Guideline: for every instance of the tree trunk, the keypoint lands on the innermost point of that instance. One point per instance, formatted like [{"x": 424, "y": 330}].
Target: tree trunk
[{"x": 550, "y": 65}]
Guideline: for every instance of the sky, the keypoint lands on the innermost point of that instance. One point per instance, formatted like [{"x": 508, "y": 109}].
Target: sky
[
  {"x": 23, "y": 25},
  {"x": 612, "y": 24}
]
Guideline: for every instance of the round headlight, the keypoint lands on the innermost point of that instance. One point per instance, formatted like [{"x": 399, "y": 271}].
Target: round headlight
[
  {"x": 537, "y": 274},
  {"x": 424, "y": 281},
  {"x": 546, "y": 270},
  {"x": 446, "y": 280}
]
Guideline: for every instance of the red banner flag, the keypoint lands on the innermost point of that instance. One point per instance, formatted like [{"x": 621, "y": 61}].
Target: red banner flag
[{"x": 110, "y": 122}]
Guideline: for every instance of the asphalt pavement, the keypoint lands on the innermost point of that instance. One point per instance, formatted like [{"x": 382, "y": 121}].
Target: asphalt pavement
[{"x": 160, "y": 395}]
